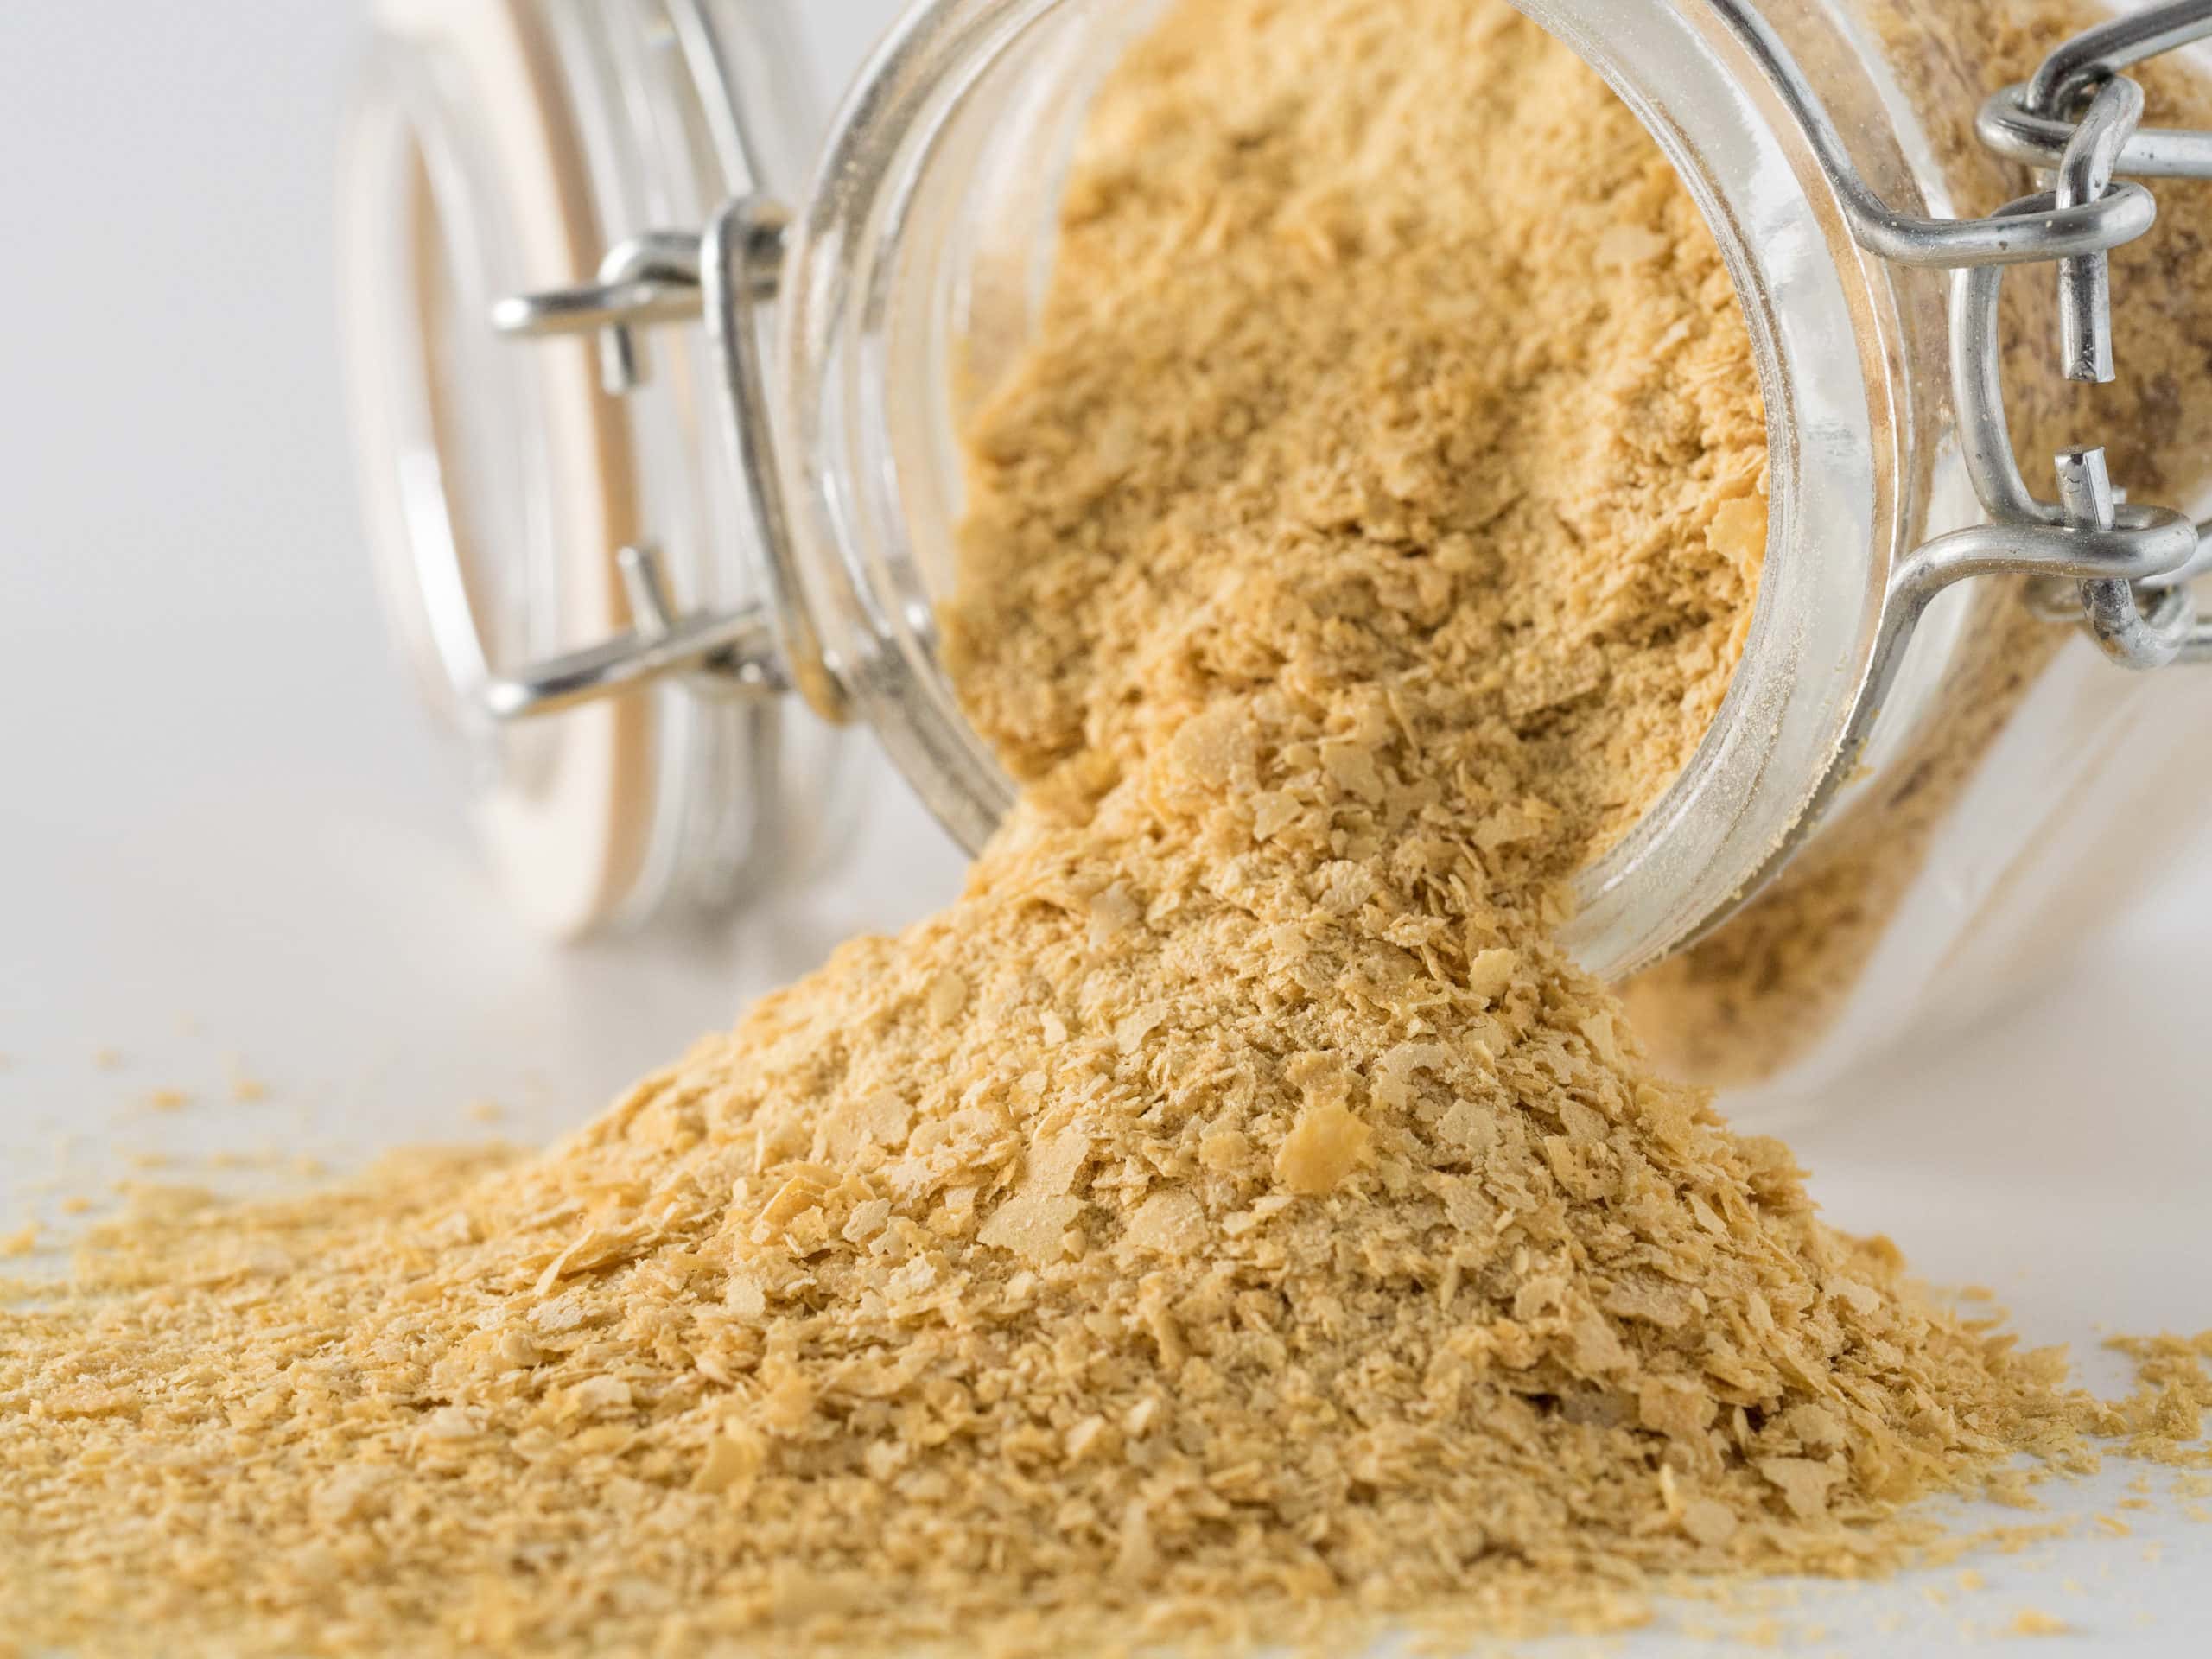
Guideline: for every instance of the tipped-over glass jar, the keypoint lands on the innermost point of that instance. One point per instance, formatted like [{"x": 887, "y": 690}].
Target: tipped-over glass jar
[{"x": 651, "y": 561}]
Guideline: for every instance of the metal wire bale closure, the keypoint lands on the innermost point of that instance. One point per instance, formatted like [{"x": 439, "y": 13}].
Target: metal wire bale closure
[{"x": 2079, "y": 119}]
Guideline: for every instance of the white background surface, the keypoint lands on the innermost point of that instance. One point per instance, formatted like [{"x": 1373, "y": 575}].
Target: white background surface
[{"x": 227, "y": 845}]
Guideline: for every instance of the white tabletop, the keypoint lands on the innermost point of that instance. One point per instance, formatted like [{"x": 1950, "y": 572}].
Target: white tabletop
[{"x": 230, "y": 849}]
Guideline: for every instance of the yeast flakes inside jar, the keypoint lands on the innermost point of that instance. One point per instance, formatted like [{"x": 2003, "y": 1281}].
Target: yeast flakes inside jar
[{"x": 1405, "y": 409}]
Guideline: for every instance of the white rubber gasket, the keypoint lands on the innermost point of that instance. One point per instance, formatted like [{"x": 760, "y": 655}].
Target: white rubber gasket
[{"x": 568, "y": 829}]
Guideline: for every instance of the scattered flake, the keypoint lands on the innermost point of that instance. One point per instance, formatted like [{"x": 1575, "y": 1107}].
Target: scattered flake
[
  {"x": 1033, "y": 1226},
  {"x": 1489, "y": 973},
  {"x": 1225, "y": 1150},
  {"x": 731, "y": 1460},
  {"x": 1710, "y": 1523},
  {"x": 946, "y": 995},
  {"x": 1804, "y": 1484},
  {"x": 1394, "y": 1077},
  {"x": 453, "y": 1423},
  {"x": 1322, "y": 1147},
  {"x": 1113, "y": 913},
  {"x": 1168, "y": 1224}
]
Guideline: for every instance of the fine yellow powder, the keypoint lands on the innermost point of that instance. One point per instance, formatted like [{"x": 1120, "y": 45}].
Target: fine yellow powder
[{"x": 1233, "y": 1218}]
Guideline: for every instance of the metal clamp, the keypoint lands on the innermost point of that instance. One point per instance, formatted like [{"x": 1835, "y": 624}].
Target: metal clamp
[
  {"x": 664, "y": 277},
  {"x": 2078, "y": 119},
  {"x": 719, "y": 653}
]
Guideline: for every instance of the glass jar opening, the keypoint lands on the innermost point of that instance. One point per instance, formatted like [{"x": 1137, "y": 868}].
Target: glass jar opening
[{"x": 920, "y": 259}]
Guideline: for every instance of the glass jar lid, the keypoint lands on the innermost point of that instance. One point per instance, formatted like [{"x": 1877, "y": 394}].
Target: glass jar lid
[{"x": 528, "y": 502}]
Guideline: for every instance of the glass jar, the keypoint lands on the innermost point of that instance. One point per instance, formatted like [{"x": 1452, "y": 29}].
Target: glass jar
[{"x": 575, "y": 147}]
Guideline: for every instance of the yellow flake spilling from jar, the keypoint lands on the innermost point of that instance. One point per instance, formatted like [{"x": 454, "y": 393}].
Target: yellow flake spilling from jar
[{"x": 1233, "y": 1219}]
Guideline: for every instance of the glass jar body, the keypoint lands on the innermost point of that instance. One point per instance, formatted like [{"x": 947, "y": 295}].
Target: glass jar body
[
  {"x": 924, "y": 259},
  {"x": 1775, "y": 929}
]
